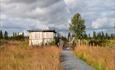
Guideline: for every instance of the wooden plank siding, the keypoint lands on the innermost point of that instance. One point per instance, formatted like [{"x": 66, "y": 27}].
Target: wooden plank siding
[{"x": 39, "y": 38}]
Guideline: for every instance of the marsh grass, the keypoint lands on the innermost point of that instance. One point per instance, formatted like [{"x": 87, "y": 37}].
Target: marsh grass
[
  {"x": 102, "y": 58},
  {"x": 15, "y": 55}
]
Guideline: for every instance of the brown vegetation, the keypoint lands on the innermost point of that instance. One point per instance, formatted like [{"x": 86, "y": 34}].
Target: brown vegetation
[
  {"x": 102, "y": 58},
  {"x": 13, "y": 56}
]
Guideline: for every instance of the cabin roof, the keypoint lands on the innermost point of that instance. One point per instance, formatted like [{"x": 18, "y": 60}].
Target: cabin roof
[{"x": 38, "y": 30}]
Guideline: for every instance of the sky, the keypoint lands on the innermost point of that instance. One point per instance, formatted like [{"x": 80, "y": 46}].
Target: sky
[{"x": 22, "y": 15}]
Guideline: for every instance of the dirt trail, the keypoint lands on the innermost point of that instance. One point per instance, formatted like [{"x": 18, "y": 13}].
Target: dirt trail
[{"x": 71, "y": 62}]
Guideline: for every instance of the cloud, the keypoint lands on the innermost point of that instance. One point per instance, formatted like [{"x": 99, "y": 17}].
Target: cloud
[
  {"x": 44, "y": 12},
  {"x": 70, "y": 2},
  {"x": 40, "y": 3},
  {"x": 2, "y": 16},
  {"x": 55, "y": 13},
  {"x": 103, "y": 22}
]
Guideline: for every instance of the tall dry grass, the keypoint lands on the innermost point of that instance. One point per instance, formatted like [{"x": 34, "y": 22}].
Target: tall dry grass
[
  {"x": 102, "y": 58},
  {"x": 13, "y": 56}
]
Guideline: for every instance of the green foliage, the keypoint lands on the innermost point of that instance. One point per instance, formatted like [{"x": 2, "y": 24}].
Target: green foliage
[
  {"x": 52, "y": 43},
  {"x": 17, "y": 36},
  {"x": 77, "y": 26},
  {"x": 14, "y": 37},
  {"x": 6, "y": 35},
  {"x": 110, "y": 43},
  {"x": 56, "y": 40},
  {"x": 94, "y": 35},
  {"x": 100, "y": 38},
  {"x": 84, "y": 36},
  {"x": 1, "y": 34},
  {"x": 64, "y": 39}
]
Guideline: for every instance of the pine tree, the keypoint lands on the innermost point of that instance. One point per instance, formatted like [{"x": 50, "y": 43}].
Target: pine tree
[
  {"x": 112, "y": 36},
  {"x": 5, "y": 35},
  {"x": 102, "y": 35},
  {"x": 89, "y": 36},
  {"x": 94, "y": 35},
  {"x": 106, "y": 35},
  {"x": 99, "y": 36},
  {"x": 13, "y": 34},
  {"x": 1, "y": 34},
  {"x": 85, "y": 36}
]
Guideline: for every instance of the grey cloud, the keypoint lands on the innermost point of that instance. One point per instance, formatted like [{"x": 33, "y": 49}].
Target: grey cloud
[
  {"x": 54, "y": 12},
  {"x": 29, "y": 10},
  {"x": 40, "y": 3},
  {"x": 92, "y": 10},
  {"x": 20, "y": 1},
  {"x": 47, "y": 13}
]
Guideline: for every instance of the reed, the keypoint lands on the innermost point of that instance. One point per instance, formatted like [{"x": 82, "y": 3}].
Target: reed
[
  {"x": 13, "y": 56},
  {"x": 102, "y": 58}
]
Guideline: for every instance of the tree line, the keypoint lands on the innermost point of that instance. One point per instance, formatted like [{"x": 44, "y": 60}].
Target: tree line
[
  {"x": 16, "y": 36},
  {"x": 98, "y": 36},
  {"x": 78, "y": 31}
]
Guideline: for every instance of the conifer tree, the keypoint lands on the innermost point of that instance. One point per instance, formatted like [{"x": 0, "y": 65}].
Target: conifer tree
[
  {"x": 5, "y": 35},
  {"x": 1, "y": 34}
]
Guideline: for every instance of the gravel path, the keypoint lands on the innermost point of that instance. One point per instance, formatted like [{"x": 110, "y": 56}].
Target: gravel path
[{"x": 71, "y": 62}]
